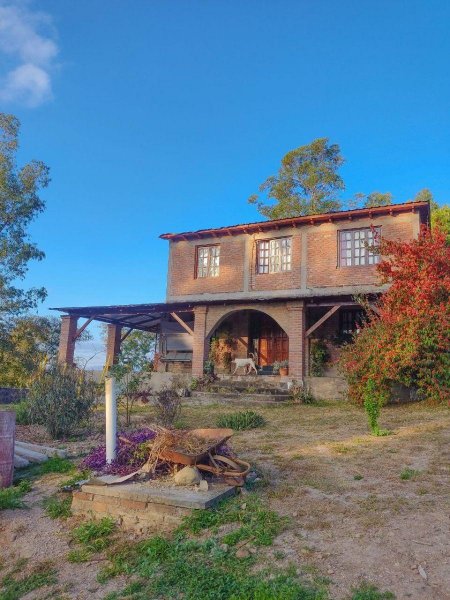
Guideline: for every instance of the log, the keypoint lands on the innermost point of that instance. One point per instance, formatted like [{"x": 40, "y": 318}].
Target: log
[
  {"x": 31, "y": 455},
  {"x": 20, "y": 462},
  {"x": 42, "y": 449}
]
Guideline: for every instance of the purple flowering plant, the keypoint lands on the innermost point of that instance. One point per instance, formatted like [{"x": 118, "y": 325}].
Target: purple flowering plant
[{"x": 131, "y": 454}]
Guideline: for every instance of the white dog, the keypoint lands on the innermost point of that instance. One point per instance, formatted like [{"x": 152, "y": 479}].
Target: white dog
[{"x": 247, "y": 363}]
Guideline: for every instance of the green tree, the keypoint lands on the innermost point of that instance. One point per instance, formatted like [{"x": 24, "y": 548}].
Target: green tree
[
  {"x": 378, "y": 199},
  {"x": 19, "y": 205},
  {"x": 424, "y": 196},
  {"x": 307, "y": 182},
  {"x": 134, "y": 360},
  {"x": 30, "y": 342}
]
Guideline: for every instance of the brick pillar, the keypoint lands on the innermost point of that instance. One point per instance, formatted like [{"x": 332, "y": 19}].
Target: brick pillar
[
  {"x": 199, "y": 342},
  {"x": 67, "y": 339},
  {"x": 297, "y": 340},
  {"x": 113, "y": 344}
]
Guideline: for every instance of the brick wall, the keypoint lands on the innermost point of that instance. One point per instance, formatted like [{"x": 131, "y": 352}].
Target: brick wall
[
  {"x": 314, "y": 261},
  {"x": 182, "y": 267},
  {"x": 322, "y": 254}
]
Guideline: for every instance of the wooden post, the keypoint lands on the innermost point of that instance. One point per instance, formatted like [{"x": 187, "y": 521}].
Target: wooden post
[
  {"x": 67, "y": 339},
  {"x": 199, "y": 342},
  {"x": 297, "y": 340},
  {"x": 113, "y": 344}
]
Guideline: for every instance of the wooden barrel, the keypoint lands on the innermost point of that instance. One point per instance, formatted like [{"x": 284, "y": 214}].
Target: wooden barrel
[{"x": 7, "y": 433}]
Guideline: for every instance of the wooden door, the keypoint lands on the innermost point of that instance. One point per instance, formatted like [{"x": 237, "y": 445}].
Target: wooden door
[{"x": 272, "y": 341}]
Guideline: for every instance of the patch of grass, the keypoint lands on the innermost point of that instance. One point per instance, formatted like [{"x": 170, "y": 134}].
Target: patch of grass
[
  {"x": 57, "y": 507},
  {"x": 80, "y": 475},
  {"x": 241, "y": 420},
  {"x": 54, "y": 464},
  {"x": 358, "y": 477},
  {"x": 257, "y": 522},
  {"x": 192, "y": 568},
  {"x": 11, "y": 497},
  {"x": 408, "y": 473},
  {"x": 41, "y": 575},
  {"x": 93, "y": 535},
  {"x": 368, "y": 591},
  {"x": 79, "y": 555}
]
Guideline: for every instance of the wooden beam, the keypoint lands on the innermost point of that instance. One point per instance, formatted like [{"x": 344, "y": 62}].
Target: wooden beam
[
  {"x": 182, "y": 323},
  {"x": 375, "y": 309},
  {"x": 126, "y": 334},
  {"x": 82, "y": 328},
  {"x": 325, "y": 317}
]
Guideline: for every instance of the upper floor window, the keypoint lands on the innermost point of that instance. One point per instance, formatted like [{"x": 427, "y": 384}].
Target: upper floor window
[
  {"x": 207, "y": 261},
  {"x": 274, "y": 256},
  {"x": 356, "y": 247}
]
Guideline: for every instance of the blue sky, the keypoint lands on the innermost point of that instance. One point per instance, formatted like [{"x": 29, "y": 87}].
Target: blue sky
[{"x": 159, "y": 116}]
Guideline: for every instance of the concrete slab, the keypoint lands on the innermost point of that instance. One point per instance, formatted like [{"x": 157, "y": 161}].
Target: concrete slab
[{"x": 159, "y": 494}]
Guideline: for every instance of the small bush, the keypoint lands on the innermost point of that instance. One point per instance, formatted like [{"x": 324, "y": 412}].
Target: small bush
[
  {"x": 319, "y": 357},
  {"x": 408, "y": 473},
  {"x": 61, "y": 398},
  {"x": 301, "y": 394},
  {"x": 241, "y": 420},
  {"x": 22, "y": 413},
  {"x": 58, "y": 508},
  {"x": 11, "y": 497},
  {"x": 167, "y": 404}
]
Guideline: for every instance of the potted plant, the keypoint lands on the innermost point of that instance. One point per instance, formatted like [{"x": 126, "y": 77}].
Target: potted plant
[
  {"x": 284, "y": 367},
  {"x": 276, "y": 368}
]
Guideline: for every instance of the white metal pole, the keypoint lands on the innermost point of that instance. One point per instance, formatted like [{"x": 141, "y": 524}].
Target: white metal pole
[{"x": 110, "y": 418}]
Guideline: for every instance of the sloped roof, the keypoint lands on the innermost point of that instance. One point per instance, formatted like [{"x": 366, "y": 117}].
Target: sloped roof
[{"x": 259, "y": 226}]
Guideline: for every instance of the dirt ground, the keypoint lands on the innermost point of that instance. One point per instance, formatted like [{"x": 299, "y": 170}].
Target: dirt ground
[{"x": 352, "y": 516}]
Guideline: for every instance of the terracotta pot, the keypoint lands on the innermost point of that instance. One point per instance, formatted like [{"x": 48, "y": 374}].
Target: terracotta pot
[{"x": 284, "y": 371}]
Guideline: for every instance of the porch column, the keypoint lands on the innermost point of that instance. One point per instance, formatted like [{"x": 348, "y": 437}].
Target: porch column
[
  {"x": 297, "y": 339},
  {"x": 199, "y": 342},
  {"x": 113, "y": 344},
  {"x": 67, "y": 339}
]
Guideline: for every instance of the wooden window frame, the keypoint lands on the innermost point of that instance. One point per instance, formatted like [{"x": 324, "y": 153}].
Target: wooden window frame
[
  {"x": 208, "y": 266},
  {"x": 287, "y": 263},
  {"x": 358, "y": 250},
  {"x": 357, "y": 316}
]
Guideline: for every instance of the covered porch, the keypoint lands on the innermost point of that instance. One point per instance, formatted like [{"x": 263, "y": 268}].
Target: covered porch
[{"x": 277, "y": 332}]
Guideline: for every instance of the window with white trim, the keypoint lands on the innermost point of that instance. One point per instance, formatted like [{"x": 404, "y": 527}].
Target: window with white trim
[
  {"x": 274, "y": 256},
  {"x": 356, "y": 247},
  {"x": 208, "y": 260}
]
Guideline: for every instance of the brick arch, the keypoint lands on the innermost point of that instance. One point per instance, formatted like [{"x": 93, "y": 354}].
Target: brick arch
[{"x": 272, "y": 313}]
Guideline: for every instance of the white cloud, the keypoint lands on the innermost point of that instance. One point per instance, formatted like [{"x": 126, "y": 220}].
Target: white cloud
[{"x": 29, "y": 51}]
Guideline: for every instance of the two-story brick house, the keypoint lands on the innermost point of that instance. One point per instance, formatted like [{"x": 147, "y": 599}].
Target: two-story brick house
[{"x": 273, "y": 285}]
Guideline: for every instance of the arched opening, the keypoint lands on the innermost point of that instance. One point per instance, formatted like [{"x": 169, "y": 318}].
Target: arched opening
[{"x": 248, "y": 334}]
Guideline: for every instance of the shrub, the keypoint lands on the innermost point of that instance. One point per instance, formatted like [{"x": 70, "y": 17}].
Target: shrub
[
  {"x": 241, "y": 420},
  {"x": 22, "y": 413},
  {"x": 374, "y": 398},
  {"x": 301, "y": 394},
  {"x": 167, "y": 404},
  {"x": 61, "y": 398},
  {"x": 406, "y": 338},
  {"x": 319, "y": 357}
]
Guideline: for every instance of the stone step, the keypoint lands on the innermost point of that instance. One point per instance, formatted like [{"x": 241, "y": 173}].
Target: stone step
[
  {"x": 232, "y": 398},
  {"x": 240, "y": 389}
]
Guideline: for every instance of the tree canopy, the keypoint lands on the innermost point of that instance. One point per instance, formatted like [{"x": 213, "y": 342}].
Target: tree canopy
[
  {"x": 307, "y": 182},
  {"x": 20, "y": 203}
]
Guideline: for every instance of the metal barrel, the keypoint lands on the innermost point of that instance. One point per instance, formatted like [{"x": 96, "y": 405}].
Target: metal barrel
[{"x": 7, "y": 433}]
